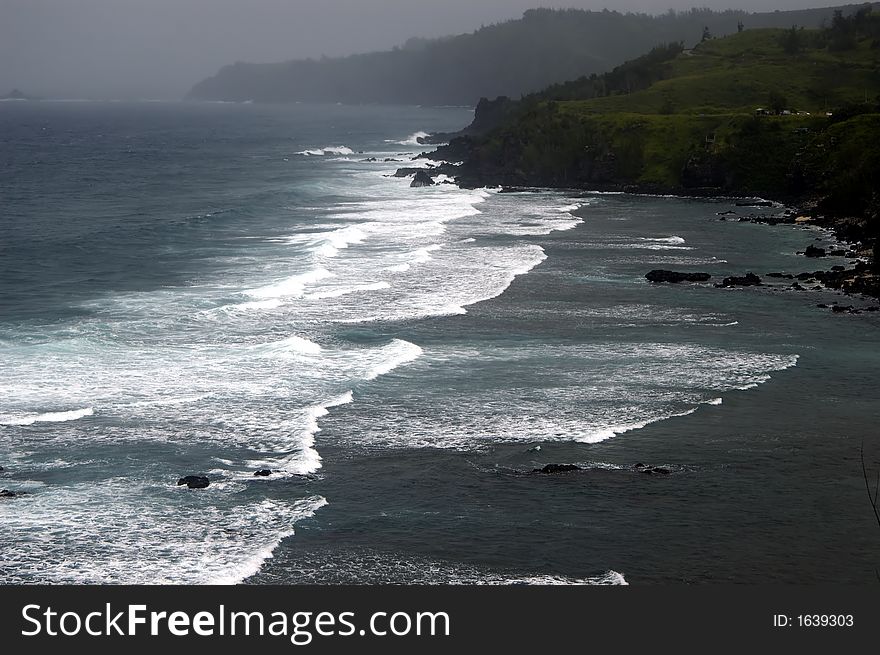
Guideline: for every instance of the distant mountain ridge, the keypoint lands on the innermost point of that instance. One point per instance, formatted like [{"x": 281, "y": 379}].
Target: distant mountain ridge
[{"x": 512, "y": 58}]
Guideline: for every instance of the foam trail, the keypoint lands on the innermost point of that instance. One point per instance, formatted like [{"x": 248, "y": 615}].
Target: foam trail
[
  {"x": 48, "y": 417},
  {"x": 412, "y": 139},
  {"x": 336, "y": 293},
  {"x": 312, "y": 460},
  {"x": 402, "y": 352},
  {"x": 292, "y": 345},
  {"x": 673, "y": 239},
  {"x": 608, "y": 578},
  {"x": 327, "y": 150},
  {"x": 251, "y": 565},
  {"x": 291, "y": 286}
]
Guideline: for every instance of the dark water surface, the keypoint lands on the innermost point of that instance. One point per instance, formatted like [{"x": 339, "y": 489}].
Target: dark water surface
[{"x": 215, "y": 289}]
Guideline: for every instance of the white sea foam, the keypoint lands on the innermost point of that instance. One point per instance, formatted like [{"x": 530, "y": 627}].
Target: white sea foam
[
  {"x": 292, "y": 286},
  {"x": 327, "y": 150},
  {"x": 256, "y": 305},
  {"x": 120, "y": 529},
  {"x": 344, "y": 291},
  {"x": 611, "y": 578},
  {"x": 411, "y": 140},
  {"x": 47, "y": 417},
  {"x": 676, "y": 240},
  {"x": 292, "y": 345},
  {"x": 399, "y": 352}
]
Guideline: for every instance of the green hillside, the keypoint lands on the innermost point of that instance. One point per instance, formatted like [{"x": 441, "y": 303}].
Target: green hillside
[
  {"x": 741, "y": 72},
  {"x": 679, "y": 120}
]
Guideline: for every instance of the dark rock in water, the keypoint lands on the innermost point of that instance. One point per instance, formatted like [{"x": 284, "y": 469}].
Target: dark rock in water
[
  {"x": 797, "y": 287},
  {"x": 263, "y": 473},
  {"x": 371, "y": 159},
  {"x": 5, "y": 493},
  {"x": 838, "y": 269},
  {"x": 805, "y": 276},
  {"x": 754, "y": 203},
  {"x": 838, "y": 253},
  {"x": 194, "y": 481},
  {"x": 872, "y": 308},
  {"x": 813, "y": 251},
  {"x": 422, "y": 178},
  {"x": 822, "y": 305},
  {"x": 747, "y": 280},
  {"x": 660, "y": 275},
  {"x": 784, "y": 276},
  {"x": 840, "y": 309},
  {"x": 557, "y": 468},
  {"x": 391, "y": 159},
  {"x": 651, "y": 470},
  {"x": 406, "y": 172}
]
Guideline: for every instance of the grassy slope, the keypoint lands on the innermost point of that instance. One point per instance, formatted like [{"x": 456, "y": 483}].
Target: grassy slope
[{"x": 738, "y": 73}]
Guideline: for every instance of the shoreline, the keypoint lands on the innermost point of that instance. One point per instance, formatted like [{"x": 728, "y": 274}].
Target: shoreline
[{"x": 861, "y": 280}]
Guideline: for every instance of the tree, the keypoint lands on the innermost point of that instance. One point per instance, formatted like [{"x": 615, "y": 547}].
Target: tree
[
  {"x": 777, "y": 102},
  {"x": 793, "y": 40}
]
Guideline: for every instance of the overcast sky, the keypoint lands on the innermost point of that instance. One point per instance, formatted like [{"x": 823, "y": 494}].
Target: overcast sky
[{"x": 159, "y": 48}]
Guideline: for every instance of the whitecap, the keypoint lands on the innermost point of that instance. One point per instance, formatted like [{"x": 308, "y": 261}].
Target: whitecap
[
  {"x": 399, "y": 352},
  {"x": 47, "y": 417},
  {"x": 291, "y": 286}
]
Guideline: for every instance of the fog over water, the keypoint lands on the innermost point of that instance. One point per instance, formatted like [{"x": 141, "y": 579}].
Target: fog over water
[{"x": 159, "y": 48}]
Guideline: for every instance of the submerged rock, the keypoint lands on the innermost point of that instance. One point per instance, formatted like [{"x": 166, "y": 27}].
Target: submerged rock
[
  {"x": 747, "y": 280},
  {"x": 754, "y": 203},
  {"x": 194, "y": 481},
  {"x": 651, "y": 470},
  {"x": 422, "y": 178},
  {"x": 6, "y": 493},
  {"x": 662, "y": 275},
  {"x": 557, "y": 468}
]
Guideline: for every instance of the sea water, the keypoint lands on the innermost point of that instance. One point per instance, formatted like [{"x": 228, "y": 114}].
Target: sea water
[{"x": 216, "y": 289}]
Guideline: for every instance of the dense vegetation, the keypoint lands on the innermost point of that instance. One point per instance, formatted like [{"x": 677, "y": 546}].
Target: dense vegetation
[
  {"x": 789, "y": 114},
  {"x": 510, "y": 59}
]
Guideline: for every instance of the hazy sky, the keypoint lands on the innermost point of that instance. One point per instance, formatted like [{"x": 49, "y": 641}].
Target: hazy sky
[{"x": 159, "y": 48}]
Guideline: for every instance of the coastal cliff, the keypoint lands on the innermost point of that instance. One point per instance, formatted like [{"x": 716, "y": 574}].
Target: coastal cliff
[{"x": 782, "y": 114}]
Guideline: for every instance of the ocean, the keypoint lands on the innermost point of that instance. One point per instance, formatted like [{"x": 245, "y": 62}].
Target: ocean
[{"x": 216, "y": 289}]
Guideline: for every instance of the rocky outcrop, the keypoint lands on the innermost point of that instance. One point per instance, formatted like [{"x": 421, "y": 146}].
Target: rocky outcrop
[
  {"x": 422, "y": 178},
  {"x": 747, "y": 280},
  {"x": 661, "y": 275},
  {"x": 814, "y": 251},
  {"x": 550, "y": 469},
  {"x": 194, "y": 481}
]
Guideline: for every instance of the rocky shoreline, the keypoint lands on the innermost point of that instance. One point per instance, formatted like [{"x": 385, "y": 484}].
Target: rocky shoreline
[{"x": 861, "y": 279}]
